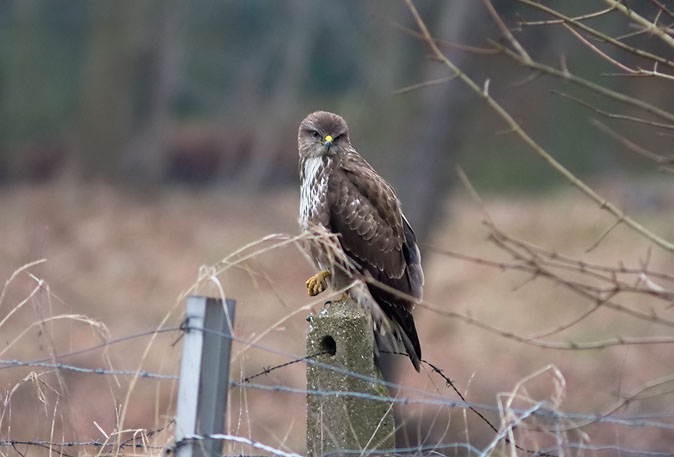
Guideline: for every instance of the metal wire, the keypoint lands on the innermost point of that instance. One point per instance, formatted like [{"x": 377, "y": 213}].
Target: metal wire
[
  {"x": 541, "y": 410},
  {"x": 239, "y": 439},
  {"x": 94, "y": 443},
  {"x": 99, "y": 371},
  {"x": 431, "y": 398}
]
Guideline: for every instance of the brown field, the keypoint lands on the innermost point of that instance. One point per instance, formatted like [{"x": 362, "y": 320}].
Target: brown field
[{"x": 116, "y": 263}]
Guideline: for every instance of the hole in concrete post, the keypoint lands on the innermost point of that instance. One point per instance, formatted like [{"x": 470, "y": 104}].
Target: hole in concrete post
[{"x": 328, "y": 345}]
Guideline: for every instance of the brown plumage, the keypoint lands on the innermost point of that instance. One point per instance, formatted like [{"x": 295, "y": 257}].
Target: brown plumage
[{"x": 341, "y": 194}]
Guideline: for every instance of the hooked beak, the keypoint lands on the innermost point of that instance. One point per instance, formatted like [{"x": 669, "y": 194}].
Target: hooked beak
[{"x": 328, "y": 142}]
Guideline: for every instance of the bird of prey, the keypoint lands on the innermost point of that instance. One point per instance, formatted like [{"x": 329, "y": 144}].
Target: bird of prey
[{"x": 358, "y": 236}]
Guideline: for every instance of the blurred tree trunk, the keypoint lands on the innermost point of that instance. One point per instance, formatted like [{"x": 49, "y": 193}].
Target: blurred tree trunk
[
  {"x": 430, "y": 150},
  {"x": 263, "y": 156},
  {"x": 107, "y": 107},
  {"x": 145, "y": 157},
  {"x": 21, "y": 92}
]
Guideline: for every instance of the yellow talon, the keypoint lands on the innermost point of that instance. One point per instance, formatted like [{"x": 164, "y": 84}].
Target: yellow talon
[{"x": 317, "y": 284}]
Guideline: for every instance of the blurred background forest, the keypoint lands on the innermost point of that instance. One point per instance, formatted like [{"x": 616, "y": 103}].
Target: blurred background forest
[
  {"x": 141, "y": 140},
  {"x": 155, "y": 93}
]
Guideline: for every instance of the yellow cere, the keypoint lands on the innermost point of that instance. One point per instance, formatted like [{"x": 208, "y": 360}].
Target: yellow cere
[{"x": 328, "y": 138}]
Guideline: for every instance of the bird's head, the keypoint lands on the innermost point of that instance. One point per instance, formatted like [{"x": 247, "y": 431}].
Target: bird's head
[{"x": 322, "y": 133}]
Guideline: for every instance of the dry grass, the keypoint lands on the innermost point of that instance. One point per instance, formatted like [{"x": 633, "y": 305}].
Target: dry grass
[{"x": 123, "y": 259}]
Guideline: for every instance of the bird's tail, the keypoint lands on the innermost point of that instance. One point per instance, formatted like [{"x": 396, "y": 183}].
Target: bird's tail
[
  {"x": 399, "y": 328},
  {"x": 407, "y": 333},
  {"x": 393, "y": 324},
  {"x": 411, "y": 341}
]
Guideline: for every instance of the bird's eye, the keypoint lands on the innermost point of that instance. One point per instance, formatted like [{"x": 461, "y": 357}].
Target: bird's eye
[{"x": 315, "y": 135}]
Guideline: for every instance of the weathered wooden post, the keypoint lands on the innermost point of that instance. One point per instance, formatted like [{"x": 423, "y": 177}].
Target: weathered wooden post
[
  {"x": 204, "y": 375},
  {"x": 338, "y": 423}
]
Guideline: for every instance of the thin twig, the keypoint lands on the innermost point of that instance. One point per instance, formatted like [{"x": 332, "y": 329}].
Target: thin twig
[
  {"x": 562, "y": 21},
  {"x": 632, "y": 146},
  {"x": 445, "y": 43},
  {"x": 598, "y": 51},
  {"x": 432, "y": 82},
  {"x": 506, "y": 32},
  {"x": 663, "y": 8},
  {"x": 594, "y": 245},
  {"x": 650, "y": 26},
  {"x": 613, "y": 115}
]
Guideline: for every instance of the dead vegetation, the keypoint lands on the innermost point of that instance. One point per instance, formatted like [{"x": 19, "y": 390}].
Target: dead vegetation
[{"x": 122, "y": 262}]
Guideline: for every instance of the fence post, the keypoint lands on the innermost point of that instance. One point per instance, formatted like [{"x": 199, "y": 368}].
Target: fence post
[
  {"x": 204, "y": 375},
  {"x": 338, "y": 423}
]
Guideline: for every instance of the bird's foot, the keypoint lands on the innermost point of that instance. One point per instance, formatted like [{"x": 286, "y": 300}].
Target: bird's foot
[
  {"x": 317, "y": 283},
  {"x": 342, "y": 298}
]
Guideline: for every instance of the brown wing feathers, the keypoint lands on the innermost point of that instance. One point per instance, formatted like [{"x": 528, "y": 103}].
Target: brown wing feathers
[
  {"x": 366, "y": 213},
  {"x": 366, "y": 232}
]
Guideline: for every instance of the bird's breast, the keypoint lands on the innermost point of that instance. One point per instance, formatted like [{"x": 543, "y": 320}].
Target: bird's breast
[{"x": 314, "y": 190}]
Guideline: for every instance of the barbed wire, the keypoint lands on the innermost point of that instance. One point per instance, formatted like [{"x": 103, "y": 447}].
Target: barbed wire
[
  {"x": 406, "y": 450},
  {"x": 237, "y": 439},
  {"x": 265, "y": 371},
  {"x": 128, "y": 443},
  {"x": 268, "y": 370},
  {"x": 421, "y": 448},
  {"x": 610, "y": 447},
  {"x": 327, "y": 366},
  {"x": 276, "y": 451},
  {"x": 435, "y": 370},
  {"x": 143, "y": 373},
  {"x": 542, "y": 410},
  {"x": 538, "y": 410},
  {"x": 99, "y": 371},
  {"x": 449, "y": 383},
  {"x": 94, "y": 443},
  {"x": 432, "y": 397},
  {"x": 473, "y": 449},
  {"x": 48, "y": 361},
  {"x": 102, "y": 345}
]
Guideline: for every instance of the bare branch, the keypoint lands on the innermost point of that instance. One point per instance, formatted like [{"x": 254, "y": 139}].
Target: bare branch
[
  {"x": 597, "y": 34},
  {"x": 598, "y": 51},
  {"x": 445, "y": 43},
  {"x": 560, "y": 345},
  {"x": 613, "y": 115},
  {"x": 432, "y": 82},
  {"x": 603, "y": 235},
  {"x": 568, "y": 76},
  {"x": 663, "y": 8},
  {"x": 562, "y": 21},
  {"x": 584, "y": 188},
  {"x": 506, "y": 32},
  {"x": 648, "y": 25},
  {"x": 632, "y": 146}
]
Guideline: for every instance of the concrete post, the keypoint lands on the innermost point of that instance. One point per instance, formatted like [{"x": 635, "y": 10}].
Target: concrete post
[
  {"x": 204, "y": 376},
  {"x": 336, "y": 423}
]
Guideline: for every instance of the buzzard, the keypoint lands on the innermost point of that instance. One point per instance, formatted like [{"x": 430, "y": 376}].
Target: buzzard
[{"x": 358, "y": 236}]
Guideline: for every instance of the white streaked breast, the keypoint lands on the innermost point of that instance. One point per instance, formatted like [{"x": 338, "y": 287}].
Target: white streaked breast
[{"x": 313, "y": 190}]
